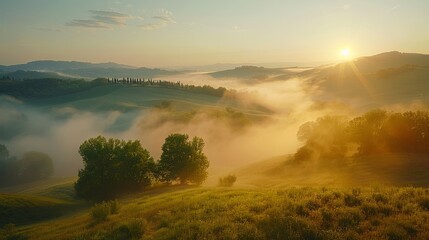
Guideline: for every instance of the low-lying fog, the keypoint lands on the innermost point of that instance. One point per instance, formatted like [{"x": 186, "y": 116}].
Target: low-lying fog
[{"x": 232, "y": 140}]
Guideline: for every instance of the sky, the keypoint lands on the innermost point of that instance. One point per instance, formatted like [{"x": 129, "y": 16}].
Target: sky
[{"x": 161, "y": 33}]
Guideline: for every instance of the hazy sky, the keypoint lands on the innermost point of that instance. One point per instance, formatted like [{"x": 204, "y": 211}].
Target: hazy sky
[{"x": 197, "y": 32}]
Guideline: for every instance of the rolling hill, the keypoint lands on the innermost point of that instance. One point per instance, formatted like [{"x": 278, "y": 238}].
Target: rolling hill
[
  {"x": 249, "y": 73},
  {"x": 23, "y": 74},
  {"x": 49, "y": 65},
  {"x": 180, "y": 212},
  {"x": 66, "y": 69},
  {"x": 372, "y": 82}
]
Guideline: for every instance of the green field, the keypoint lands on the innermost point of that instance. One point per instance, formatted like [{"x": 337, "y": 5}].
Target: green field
[
  {"x": 130, "y": 98},
  {"x": 46, "y": 211}
]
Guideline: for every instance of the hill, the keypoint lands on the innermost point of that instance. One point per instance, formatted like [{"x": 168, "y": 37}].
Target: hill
[
  {"x": 388, "y": 169},
  {"x": 65, "y": 69},
  {"x": 22, "y": 74},
  {"x": 97, "y": 72},
  {"x": 29, "y": 203},
  {"x": 249, "y": 73},
  {"x": 49, "y": 65},
  {"x": 256, "y": 213},
  {"x": 372, "y": 82}
]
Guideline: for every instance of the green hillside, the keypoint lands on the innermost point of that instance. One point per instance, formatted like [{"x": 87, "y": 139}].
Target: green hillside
[
  {"x": 389, "y": 170},
  {"x": 252, "y": 213},
  {"x": 29, "y": 203},
  {"x": 130, "y": 98}
]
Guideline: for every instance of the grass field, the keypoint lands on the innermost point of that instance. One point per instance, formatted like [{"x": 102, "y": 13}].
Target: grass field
[
  {"x": 130, "y": 98},
  {"x": 245, "y": 213}
]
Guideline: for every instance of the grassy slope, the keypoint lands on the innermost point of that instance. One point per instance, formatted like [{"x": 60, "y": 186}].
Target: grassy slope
[
  {"x": 390, "y": 170},
  {"x": 29, "y": 203},
  {"x": 128, "y": 98},
  {"x": 256, "y": 213}
]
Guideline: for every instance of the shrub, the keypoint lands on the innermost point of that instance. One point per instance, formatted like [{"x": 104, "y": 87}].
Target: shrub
[
  {"x": 227, "y": 181},
  {"x": 100, "y": 211},
  {"x": 369, "y": 209},
  {"x": 396, "y": 233},
  {"x": 378, "y": 197},
  {"x": 424, "y": 203},
  {"x": 349, "y": 220},
  {"x": 351, "y": 200},
  {"x": 133, "y": 229},
  {"x": 114, "y": 206}
]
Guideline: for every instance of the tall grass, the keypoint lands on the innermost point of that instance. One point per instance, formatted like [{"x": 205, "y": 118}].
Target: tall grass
[{"x": 288, "y": 213}]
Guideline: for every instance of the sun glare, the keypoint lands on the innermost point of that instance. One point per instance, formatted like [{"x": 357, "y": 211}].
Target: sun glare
[{"x": 345, "y": 52}]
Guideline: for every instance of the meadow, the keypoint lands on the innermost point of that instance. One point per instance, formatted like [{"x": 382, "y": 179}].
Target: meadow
[{"x": 184, "y": 212}]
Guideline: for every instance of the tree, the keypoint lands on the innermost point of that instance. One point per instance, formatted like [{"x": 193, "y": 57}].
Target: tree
[
  {"x": 324, "y": 138},
  {"x": 33, "y": 166},
  {"x": 112, "y": 167},
  {"x": 4, "y": 153},
  {"x": 183, "y": 160}
]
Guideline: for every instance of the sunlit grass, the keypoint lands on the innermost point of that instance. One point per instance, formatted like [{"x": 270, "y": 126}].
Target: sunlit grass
[{"x": 257, "y": 213}]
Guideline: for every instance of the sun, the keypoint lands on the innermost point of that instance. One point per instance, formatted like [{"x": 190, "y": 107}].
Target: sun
[{"x": 345, "y": 52}]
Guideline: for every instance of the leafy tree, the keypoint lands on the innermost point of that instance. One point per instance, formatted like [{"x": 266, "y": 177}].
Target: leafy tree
[
  {"x": 112, "y": 167},
  {"x": 4, "y": 165},
  {"x": 375, "y": 132},
  {"x": 183, "y": 160},
  {"x": 367, "y": 131},
  {"x": 324, "y": 138},
  {"x": 33, "y": 166},
  {"x": 4, "y": 153}
]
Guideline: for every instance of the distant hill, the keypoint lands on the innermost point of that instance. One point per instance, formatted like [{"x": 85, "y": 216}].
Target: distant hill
[
  {"x": 65, "y": 69},
  {"x": 22, "y": 74},
  {"x": 49, "y": 65},
  {"x": 97, "y": 72},
  {"x": 249, "y": 72},
  {"x": 373, "y": 81}
]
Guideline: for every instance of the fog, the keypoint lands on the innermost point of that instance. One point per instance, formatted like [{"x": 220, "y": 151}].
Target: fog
[{"x": 232, "y": 139}]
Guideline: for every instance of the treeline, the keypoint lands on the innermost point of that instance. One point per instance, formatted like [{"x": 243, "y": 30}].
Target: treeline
[
  {"x": 206, "y": 89},
  {"x": 113, "y": 167},
  {"x": 45, "y": 87},
  {"x": 31, "y": 167},
  {"x": 376, "y": 132}
]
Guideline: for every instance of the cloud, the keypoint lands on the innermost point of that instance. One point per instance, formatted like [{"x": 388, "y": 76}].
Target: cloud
[
  {"x": 392, "y": 9},
  {"x": 50, "y": 29},
  {"x": 101, "y": 19},
  {"x": 160, "y": 20}
]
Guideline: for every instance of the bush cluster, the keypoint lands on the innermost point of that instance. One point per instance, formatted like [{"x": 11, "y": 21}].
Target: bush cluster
[
  {"x": 227, "y": 181},
  {"x": 101, "y": 211}
]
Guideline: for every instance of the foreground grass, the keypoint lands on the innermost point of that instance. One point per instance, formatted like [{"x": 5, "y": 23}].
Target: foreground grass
[{"x": 254, "y": 213}]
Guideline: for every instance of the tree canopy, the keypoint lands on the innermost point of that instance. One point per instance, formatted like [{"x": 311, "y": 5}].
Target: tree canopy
[
  {"x": 375, "y": 132},
  {"x": 32, "y": 166},
  {"x": 112, "y": 167},
  {"x": 183, "y": 160}
]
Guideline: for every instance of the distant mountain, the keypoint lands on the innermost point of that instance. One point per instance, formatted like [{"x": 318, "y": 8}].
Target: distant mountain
[
  {"x": 21, "y": 74},
  {"x": 226, "y": 66},
  {"x": 249, "y": 73},
  {"x": 118, "y": 72},
  {"x": 64, "y": 69},
  {"x": 54, "y": 66}
]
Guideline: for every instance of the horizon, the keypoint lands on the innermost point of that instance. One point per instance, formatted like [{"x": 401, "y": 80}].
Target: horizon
[
  {"x": 170, "y": 34},
  {"x": 288, "y": 64}
]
